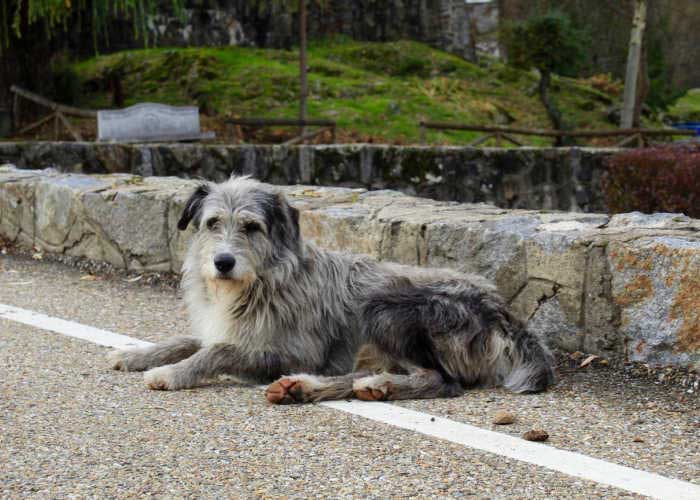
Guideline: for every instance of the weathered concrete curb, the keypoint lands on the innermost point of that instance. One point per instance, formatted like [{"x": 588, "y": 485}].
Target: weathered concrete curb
[
  {"x": 532, "y": 178},
  {"x": 621, "y": 286}
]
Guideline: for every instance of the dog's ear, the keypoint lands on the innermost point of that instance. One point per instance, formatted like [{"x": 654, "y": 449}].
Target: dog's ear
[
  {"x": 294, "y": 215},
  {"x": 193, "y": 207},
  {"x": 283, "y": 221}
]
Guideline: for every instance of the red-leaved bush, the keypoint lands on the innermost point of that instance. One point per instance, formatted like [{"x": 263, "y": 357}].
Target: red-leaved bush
[{"x": 658, "y": 179}]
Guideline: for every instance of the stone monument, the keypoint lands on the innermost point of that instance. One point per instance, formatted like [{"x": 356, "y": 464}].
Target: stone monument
[{"x": 150, "y": 122}]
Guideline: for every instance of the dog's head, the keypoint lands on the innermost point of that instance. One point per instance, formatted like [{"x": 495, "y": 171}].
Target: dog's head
[{"x": 245, "y": 229}]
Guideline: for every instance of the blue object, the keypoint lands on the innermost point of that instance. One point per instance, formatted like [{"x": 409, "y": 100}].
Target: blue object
[{"x": 695, "y": 126}]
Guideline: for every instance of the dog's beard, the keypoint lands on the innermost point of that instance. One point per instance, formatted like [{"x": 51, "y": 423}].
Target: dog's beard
[{"x": 229, "y": 289}]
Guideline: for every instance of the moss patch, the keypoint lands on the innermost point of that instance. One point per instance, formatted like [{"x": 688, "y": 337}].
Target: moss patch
[
  {"x": 687, "y": 107},
  {"x": 376, "y": 92}
]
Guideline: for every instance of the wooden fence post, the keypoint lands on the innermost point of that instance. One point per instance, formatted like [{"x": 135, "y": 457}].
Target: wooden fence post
[{"x": 15, "y": 113}]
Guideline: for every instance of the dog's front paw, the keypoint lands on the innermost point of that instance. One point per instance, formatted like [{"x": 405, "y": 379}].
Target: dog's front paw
[
  {"x": 373, "y": 388},
  {"x": 289, "y": 390},
  {"x": 127, "y": 360},
  {"x": 161, "y": 379},
  {"x": 118, "y": 360}
]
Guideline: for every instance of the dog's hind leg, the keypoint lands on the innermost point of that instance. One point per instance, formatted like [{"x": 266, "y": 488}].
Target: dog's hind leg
[
  {"x": 305, "y": 388},
  {"x": 418, "y": 384},
  {"x": 138, "y": 359}
]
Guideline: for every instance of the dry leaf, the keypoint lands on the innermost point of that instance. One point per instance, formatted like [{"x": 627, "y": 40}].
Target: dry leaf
[
  {"x": 88, "y": 277},
  {"x": 588, "y": 360}
]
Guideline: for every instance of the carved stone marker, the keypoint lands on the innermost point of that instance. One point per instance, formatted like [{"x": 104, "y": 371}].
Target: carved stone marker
[{"x": 150, "y": 122}]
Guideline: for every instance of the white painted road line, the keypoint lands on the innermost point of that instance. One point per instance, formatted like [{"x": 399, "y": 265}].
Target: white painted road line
[
  {"x": 69, "y": 328},
  {"x": 567, "y": 462}
]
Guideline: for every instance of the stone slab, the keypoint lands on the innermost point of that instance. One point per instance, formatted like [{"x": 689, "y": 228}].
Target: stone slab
[{"x": 149, "y": 122}]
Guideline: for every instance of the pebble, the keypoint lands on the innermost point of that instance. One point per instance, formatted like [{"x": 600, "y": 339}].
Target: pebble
[
  {"x": 503, "y": 418},
  {"x": 536, "y": 435}
]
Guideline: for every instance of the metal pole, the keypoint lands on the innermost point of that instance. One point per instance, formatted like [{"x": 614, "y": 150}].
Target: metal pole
[{"x": 303, "y": 88}]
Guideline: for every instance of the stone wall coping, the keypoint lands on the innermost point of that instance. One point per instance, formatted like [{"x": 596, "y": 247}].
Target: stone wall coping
[{"x": 622, "y": 286}]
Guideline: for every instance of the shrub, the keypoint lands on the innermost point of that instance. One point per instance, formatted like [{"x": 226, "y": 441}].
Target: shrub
[
  {"x": 607, "y": 84},
  {"x": 658, "y": 179}
]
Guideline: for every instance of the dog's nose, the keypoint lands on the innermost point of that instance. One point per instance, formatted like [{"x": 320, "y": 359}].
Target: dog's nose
[{"x": 224, "y": 262}]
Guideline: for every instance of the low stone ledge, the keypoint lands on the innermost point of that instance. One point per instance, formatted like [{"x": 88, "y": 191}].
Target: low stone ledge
[
  {"x": 531, "y": 178},
  {"x": 624, "y": 287}
]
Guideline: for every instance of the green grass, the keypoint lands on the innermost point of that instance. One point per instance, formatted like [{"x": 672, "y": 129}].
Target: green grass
[
  {"x": 375, "y": 91},
  {"x": 687, "y": 107}
]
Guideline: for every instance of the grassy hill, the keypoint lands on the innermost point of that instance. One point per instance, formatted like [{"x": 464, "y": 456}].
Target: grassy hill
[{"x": 375, "y": 91}]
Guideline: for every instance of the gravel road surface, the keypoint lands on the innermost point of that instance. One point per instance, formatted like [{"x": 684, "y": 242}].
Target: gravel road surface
[{"x": 72, "y": 428}]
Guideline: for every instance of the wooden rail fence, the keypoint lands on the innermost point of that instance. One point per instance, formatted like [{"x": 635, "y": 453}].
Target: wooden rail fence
[
  {"x": 59, "y": 113},
  {"x": 638, "y": 136},
  {"x": 326, "y": 125}
]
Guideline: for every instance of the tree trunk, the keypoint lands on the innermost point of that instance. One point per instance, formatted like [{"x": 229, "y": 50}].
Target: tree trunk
[
  {"x": 552, "y": 111},
  {"x": 643, "y": 86},
  {"x": 634, "y": 57}
]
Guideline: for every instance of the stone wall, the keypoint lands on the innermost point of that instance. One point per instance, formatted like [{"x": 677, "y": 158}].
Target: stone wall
[
  {"x": 451, "y": 25},
  {"x": 623, "y": 286},
  {"x": 555, "y": 178}
]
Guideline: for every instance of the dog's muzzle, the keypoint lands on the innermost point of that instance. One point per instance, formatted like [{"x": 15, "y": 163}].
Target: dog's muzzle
[{"x": 224, "y": 263}]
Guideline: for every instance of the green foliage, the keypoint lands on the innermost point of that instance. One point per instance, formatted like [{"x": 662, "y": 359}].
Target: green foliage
[
  {"x": 549, "y": 42},
  {"x": 402, "y": 58},
  {"x": 659, "y": 179},
  {"x": 55, "y": 16}
]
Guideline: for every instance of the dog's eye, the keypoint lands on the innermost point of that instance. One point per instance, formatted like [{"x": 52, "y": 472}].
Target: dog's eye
[
  {"x": 251, "y": 227},
  {"x": 213, "y": 223}
]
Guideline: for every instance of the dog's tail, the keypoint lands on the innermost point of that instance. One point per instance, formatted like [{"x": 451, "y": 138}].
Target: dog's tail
[{"x": 532, "y": 368}]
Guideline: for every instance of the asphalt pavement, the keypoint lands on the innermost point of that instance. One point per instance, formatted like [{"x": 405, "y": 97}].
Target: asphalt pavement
[{"x": 72, "y": 428}]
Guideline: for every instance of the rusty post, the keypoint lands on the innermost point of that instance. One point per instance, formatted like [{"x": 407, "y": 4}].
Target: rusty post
[{"x": 303, "y": 86}]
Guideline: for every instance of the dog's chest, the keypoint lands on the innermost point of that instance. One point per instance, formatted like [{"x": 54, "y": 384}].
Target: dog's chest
[{"x": 215, "y": 323}]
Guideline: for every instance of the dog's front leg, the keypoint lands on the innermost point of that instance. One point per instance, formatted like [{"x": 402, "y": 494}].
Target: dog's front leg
[
  {"x": 138, "y": 359},
  {"x": 214, "y": 360}
]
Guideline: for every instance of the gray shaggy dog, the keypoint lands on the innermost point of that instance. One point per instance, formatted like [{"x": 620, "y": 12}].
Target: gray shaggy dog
[{"x": 266, "y": 306}]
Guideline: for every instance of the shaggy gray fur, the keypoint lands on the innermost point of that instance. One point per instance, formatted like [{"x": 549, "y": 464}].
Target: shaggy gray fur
[{"x": 265, "y": 304}]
